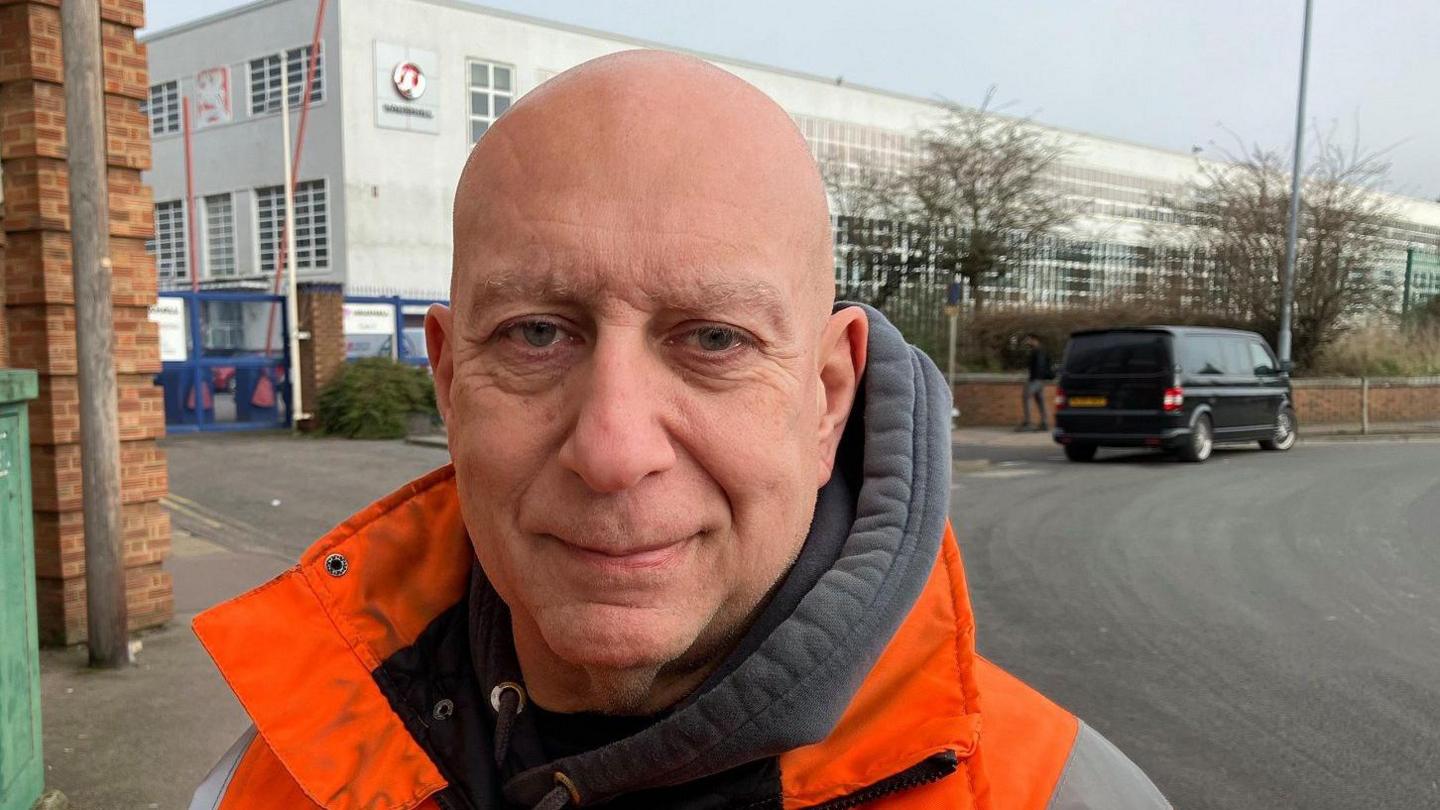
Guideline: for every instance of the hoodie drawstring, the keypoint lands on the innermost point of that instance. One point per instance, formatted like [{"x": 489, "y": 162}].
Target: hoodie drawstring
[
  {"x": 508, "y": 700},
  {"x": 557, "y": 799}
]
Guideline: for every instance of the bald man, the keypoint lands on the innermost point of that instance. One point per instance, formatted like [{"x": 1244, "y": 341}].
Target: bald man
[{"x": 693, "y": 549}]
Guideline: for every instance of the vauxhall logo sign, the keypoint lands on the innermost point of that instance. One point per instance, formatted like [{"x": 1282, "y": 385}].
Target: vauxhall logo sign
[
  {"x": 409, "y": 80},
  {"x": 404, "y": 97}
]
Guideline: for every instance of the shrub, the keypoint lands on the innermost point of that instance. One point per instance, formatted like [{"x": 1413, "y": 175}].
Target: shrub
[
  {"x": 1380, "y": 351},
  {"x": 994, "y": 340},
  {"x": 1428, "y": 315},
  {"x": 370, "y": 399}
]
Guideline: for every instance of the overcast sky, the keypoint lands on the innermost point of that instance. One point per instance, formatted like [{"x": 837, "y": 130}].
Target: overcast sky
[{"x": 1172, "y": 73}]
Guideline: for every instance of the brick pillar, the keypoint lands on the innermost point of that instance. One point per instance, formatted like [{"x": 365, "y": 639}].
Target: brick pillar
[
  {"x": 4, "y": 332},
  {"x": 321, "y": 310},
  {"x": 40, "y": 312}
]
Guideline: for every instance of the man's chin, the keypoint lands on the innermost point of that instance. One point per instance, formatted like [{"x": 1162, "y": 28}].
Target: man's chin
[{"x": 622, "y": 639}]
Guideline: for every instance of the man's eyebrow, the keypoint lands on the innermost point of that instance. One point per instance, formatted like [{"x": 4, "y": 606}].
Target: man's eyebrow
[
  {"x": 711, "y": 296},
  {"x": 510, "y": 286},
  {"x": 700, "y": 297}
]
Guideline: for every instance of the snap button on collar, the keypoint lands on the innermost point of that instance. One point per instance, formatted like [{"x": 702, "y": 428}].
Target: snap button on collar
[{"x": 336, "y": 565}]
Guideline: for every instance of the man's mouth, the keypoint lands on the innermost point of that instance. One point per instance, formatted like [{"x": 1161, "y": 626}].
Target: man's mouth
[{"x": 621, "y": 558}]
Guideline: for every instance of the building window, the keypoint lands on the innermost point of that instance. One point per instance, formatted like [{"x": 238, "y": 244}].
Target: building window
[
  {"x": 168, "y": 246},
  {"x": 163, "y": 107},
  {"x": 265, "y": 80},
  {"x": 312, "y": 225},
  {"x": 492, "y": 88},
  {"x": 219, "y": 236}
]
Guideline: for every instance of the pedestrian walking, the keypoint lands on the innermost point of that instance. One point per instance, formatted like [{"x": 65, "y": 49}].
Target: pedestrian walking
[{"x": 1041, "y": 372}]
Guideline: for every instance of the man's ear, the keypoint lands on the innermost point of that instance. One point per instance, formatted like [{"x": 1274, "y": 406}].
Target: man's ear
[
  {"x": 438, "y": 325},
  {"x": 841, "y": 357}
]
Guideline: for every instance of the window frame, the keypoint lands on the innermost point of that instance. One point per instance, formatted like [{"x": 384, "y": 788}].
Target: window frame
[
  {"x": 1270, "y": 362},
  {"x": 177, "y": 111},
  {"x": 323, "y": 183},
  {"x": 321, "y": 87},
  {"x": 181, "y": 243},
  {"x": 207, "y": 241},
  {"x": 468, "y": 88}
]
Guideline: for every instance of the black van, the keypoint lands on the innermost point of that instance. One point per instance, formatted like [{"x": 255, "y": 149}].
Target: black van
[{"x": 1178, "y": 388}]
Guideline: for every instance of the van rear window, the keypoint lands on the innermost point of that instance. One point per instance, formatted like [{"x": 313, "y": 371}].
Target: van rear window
[{"x": 1118, "y": 353}]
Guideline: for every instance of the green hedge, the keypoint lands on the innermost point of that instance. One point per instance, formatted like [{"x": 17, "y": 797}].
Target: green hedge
[{"x": 371, "y": 398}]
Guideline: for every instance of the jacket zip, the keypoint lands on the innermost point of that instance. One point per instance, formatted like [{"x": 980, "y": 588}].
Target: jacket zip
[{"x": 931, "y": 769}]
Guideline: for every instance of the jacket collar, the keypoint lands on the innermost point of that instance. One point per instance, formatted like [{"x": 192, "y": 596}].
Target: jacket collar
[{"x": 300, "y": 651}]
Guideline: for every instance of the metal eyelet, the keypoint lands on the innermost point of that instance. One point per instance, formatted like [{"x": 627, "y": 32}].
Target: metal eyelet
[
  {"x": 500, "y": 690},
  {"x": 336, "y": 565},
  {"x": 443, "y": 709}
]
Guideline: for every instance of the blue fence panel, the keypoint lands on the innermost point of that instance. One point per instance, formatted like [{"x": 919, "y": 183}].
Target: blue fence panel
[
  {"x": 400, "y": 337},
  {"x": 227, "y": 372}
]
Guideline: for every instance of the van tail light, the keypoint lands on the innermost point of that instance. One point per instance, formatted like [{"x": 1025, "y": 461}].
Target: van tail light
[
  {"x": 1174, "y": 399},
  {"x": 1060, "y": 398}
]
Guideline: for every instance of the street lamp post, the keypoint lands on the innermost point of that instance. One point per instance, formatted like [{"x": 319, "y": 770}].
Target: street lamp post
[{"x": 1287, "y": 284}]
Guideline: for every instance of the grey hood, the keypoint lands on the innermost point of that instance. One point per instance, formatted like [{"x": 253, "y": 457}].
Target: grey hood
[{"x": 792, "y": 687}]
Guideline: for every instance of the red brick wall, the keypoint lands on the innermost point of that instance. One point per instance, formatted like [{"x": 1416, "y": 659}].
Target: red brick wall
[
  {"x": 40, "y": 314},
  {"x": 993, "y": 400},
  {"x": 321, "y": 310},
  {"x": 1331, "y": 404}
]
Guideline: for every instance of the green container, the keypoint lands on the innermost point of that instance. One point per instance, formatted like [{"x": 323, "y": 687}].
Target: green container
[{"x": 22, "y": 770}]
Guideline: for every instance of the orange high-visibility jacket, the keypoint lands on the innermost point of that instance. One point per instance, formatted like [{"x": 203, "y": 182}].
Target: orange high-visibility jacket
[{"x": 326, "y": 735}]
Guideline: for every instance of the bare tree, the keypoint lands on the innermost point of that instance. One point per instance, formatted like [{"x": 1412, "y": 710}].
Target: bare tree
[
  {"x": 1241, "y": 210},
  {"x": 873, "y": 211},
  {"x": 982, "y": 185}
]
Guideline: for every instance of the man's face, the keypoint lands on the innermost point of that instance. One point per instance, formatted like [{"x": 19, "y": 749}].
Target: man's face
[{"x": 634, "y": 409}]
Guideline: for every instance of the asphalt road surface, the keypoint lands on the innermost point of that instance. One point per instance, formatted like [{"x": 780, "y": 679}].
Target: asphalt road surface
[{"x": 1259, "y": 631}]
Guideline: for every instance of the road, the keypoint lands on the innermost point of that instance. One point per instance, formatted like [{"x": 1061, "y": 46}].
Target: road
[{"x": 1260, "y": 631}]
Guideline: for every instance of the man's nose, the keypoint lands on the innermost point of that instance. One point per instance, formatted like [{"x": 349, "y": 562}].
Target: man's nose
[{"x": 620, "y": 436}]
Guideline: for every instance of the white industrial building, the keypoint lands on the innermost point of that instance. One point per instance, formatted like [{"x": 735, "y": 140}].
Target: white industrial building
[{"x": 404, "y": 87}]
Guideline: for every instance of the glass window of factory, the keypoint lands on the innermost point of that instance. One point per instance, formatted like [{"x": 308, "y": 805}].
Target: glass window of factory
[{"x": 492, "y": 88}]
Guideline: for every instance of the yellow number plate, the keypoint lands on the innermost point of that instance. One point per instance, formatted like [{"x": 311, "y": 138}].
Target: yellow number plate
[{"x": 1089, "y": 402}]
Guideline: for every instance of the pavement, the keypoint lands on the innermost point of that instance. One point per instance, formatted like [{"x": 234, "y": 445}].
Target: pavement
[
  {"x": 243, "y": 506},
  {"x": 1258, "y": 631}
]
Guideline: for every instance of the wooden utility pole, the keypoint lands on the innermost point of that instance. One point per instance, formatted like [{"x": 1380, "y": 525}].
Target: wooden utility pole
[{"x": 94, "y": 334}]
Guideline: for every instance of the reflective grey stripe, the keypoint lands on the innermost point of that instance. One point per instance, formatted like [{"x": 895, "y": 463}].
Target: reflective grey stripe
[
  {"x": 212, "y": 790},
  {"x": 1099, "y": 777}
]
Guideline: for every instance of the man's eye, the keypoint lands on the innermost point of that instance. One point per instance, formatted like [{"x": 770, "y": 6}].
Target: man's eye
[
  {"x": 539, "y": 333},
  {"x": 717, "y": 338}
]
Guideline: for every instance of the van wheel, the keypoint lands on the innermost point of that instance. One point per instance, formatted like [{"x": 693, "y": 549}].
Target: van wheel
[
  {"x": 1080, "y": 452},
  {"x": 1284, "y": 438},
  {"x": 1201, "y": 443}
]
